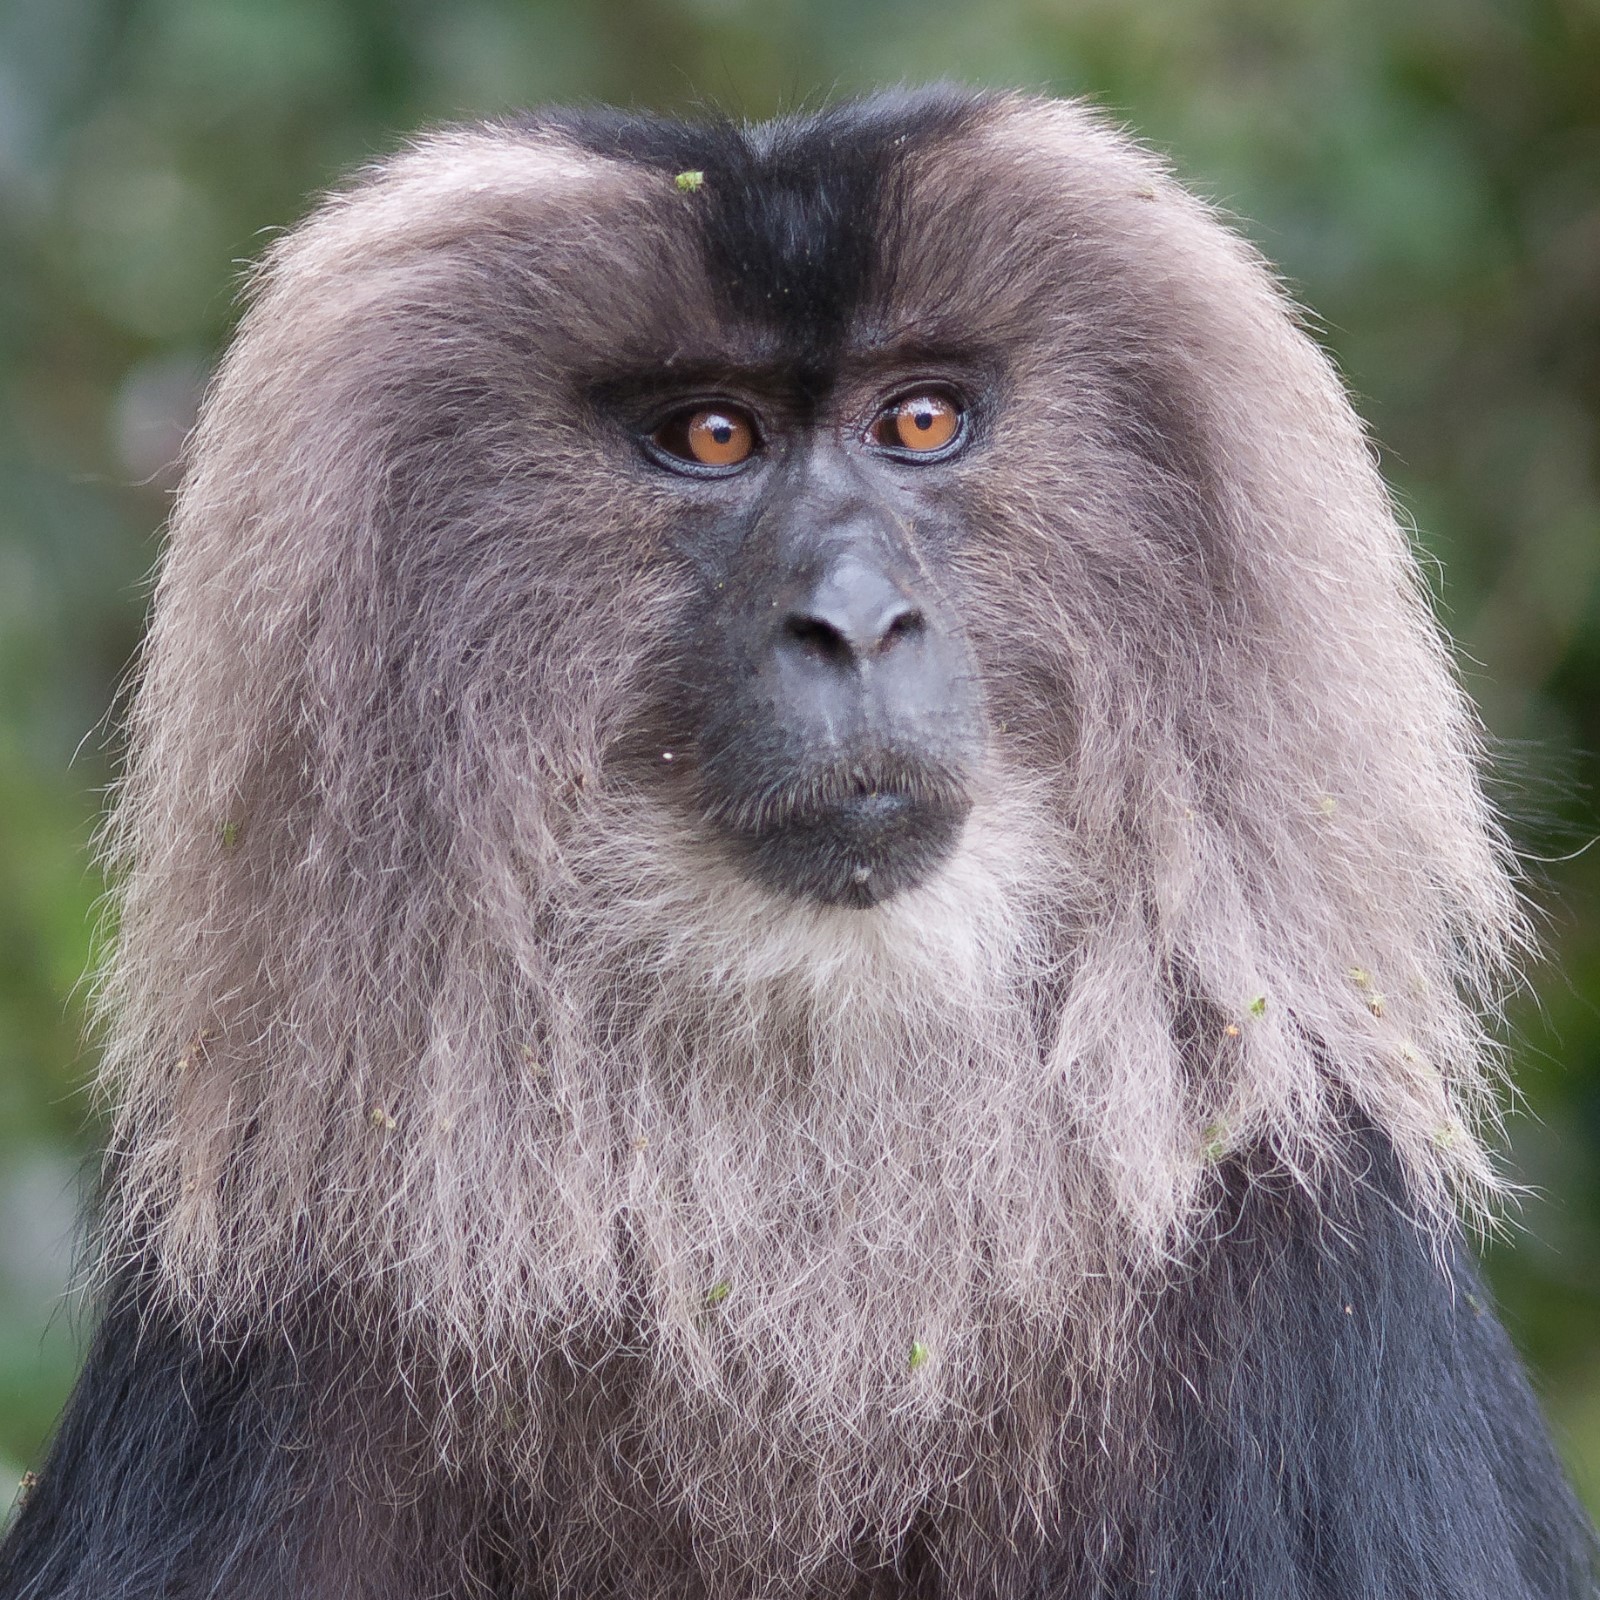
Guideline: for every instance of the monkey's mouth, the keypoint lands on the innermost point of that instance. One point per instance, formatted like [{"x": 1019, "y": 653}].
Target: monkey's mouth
[{"x": 849, "y": 836}]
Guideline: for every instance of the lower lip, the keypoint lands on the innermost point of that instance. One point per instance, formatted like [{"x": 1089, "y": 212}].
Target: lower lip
[{"x": 859, "y": 851}]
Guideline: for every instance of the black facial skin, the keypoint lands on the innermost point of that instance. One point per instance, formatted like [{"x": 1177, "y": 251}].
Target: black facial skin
[{"x": 831, "y": 695}]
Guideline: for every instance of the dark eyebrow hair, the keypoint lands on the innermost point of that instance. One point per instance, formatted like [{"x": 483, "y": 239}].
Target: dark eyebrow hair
[{"x": 789, "y": 210}]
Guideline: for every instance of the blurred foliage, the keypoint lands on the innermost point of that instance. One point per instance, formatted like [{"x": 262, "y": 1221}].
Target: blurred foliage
[{"x": 1426, "y": 172}]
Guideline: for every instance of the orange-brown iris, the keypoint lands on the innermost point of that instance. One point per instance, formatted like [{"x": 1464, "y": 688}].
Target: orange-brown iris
[
  {"x": 920, "y": 422},
  {"x": 713, "y": 436}
]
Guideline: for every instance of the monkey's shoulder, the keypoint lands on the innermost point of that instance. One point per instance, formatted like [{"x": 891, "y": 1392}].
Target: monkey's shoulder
[
  {"x": 1338, "y": 1411},
  {"x": 1326, "y": 1401}
]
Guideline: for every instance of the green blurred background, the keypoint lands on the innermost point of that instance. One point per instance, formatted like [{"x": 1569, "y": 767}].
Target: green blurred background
[{"x": 1426, "y": 172}]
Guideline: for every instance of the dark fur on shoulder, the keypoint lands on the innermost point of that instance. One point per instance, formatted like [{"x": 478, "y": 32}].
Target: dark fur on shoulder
[{"x": 510, "y": 1195}]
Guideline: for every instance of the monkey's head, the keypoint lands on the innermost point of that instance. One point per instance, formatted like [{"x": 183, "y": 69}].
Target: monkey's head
[{"x": 835, "y": 708}]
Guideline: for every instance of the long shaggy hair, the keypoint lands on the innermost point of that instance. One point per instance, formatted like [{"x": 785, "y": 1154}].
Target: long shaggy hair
[{"x": 435, "y": 1000}]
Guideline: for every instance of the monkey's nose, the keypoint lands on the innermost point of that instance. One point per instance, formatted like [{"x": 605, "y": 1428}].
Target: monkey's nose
[{"x": 853, "y": 613}]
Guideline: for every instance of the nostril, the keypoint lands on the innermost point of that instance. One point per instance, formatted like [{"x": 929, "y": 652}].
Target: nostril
[
  {"x": 907, "y": 624},
  {"x": 818, "y": 638}
]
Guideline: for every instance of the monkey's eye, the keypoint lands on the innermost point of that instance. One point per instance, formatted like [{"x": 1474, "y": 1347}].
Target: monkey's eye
[
  {"x": 707, "y": 436},
  {"x": 918, "y": 424}
]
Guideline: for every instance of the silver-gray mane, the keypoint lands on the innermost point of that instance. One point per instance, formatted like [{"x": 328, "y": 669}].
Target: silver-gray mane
[{"x": 418, "y": 1004}]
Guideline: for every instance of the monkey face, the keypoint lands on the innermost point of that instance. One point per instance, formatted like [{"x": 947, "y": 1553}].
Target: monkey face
[
  {"x": 820, "y": 699},
  {"x": 829, "y": 691}
]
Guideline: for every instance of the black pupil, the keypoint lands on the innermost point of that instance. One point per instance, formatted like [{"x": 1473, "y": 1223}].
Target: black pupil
[
  {"x": 722, "y": 430},
  {"x": 923, "y": 418}
]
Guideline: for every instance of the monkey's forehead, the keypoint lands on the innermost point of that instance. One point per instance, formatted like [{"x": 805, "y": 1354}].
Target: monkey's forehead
[
  {"x": 937, "y": 211},
  {"x": 795, "y": 221}
]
